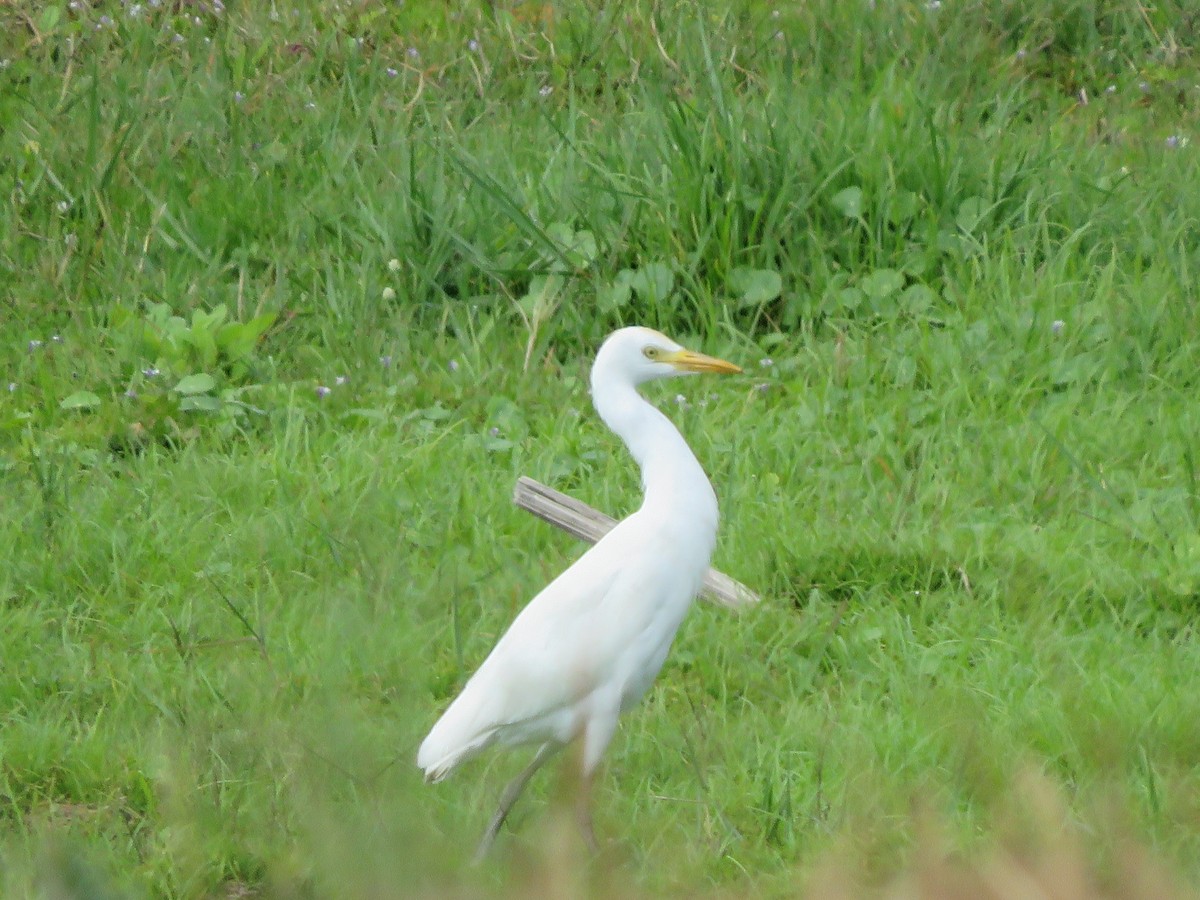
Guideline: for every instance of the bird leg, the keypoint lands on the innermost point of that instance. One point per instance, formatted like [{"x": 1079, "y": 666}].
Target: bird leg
[
  {"x": 509, "y": 798},
  {"x": 583, "y": 811}
]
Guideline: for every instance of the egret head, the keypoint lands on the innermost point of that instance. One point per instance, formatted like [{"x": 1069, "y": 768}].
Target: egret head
[{"x": 643, "y": 354}]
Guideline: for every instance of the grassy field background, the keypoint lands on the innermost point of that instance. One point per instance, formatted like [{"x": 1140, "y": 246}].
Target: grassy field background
[{"x": 291, "y": 294}]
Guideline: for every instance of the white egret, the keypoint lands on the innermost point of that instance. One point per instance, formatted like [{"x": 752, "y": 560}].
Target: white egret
[{"x": 589, "y": 645}]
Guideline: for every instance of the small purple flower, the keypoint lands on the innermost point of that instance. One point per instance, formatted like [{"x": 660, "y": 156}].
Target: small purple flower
[
  {"x": 413, "y": 53},
  {"x": 1144, "y": 87},
  {"x": 1021, "y": 54},
  {"x": 452, "y": 365},
  {"x": 322, "y": 391},
  {"x": 545, "y": 90},
  {"x": 340, "y": 380},
  {"x": 762, "y": 387},
  {"x": 680, "y": 400},
  {"x": 494, "y": 431},
  {"x": 12, "y": 386},
  {"x": 1056, "y": 326},
  {"x": 34, "y": 345},
  {"x": 385, "y": 361},
  {"x": 135, "y": 10},
  {"x": 1111, "y": 89},
  {"x": 56, "y": 339},
  {"x": 106, "y": 21},
  {"x": 131, "y": 394},
  {"x": 151, "y": 372},
  {"x": 177, "y": 38},
  {"x": 473, "y": 45},
  {"x": 391, "y": 72},
  {"x": 766, "y": 362},
  {"x": 238, "y": 96},
  {"x": 1174, "y": 141}
]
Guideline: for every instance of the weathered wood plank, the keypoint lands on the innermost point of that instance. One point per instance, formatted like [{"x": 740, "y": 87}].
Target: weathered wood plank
[{"x": 589, "y": 524}]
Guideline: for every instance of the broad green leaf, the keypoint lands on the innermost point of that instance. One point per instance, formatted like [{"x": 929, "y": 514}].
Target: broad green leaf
[
  {"x": 200, "y": 403},
  {"x": 204, "y": 342},
  {"x": 578, "y": 247},
  {"x": 903, "y": 207},
  {"x": 543, "y": 289},
  {"x": 917, "y": 298},
  {"x": 970, "y": 213},
  {"x": 849, "y": 299},
  {"x": 260, "y": 323},
  {"x": 561, "y": 232},
  {"x": 209, "y": 320},
  {"x": 49, "y": 18},
  {"x": 917, "y": 260},
  {"x": 653, "y": 281},
  {"x": 618, "y": 293},
  {"x": 199, "y": 383},
  {"x": 882, "y": 283},
  {"x": 755, "y": 286},
  {"x": 80, "y": 400},
  {"x": 158, "y": 313},
  {"x": 583, "y": 249},
  {"x": 496, "y": 444},
  {"x": 615, "y": 295},
  {"x": 175, "y": 326},
  {"x": 950, "y": 242},
  {"x": 236, "y": 341},
  {"x": 849, "y": 202}
]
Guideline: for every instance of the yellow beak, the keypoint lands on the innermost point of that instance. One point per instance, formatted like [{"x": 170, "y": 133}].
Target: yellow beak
[{"x": 689, "y": 361}]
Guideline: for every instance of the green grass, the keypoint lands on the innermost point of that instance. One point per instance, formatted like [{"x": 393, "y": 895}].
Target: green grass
[{"x": 959, "y": 270}]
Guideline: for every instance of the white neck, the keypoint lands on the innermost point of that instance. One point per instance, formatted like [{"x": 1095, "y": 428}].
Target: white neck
[{"x": 672, "y": 479}]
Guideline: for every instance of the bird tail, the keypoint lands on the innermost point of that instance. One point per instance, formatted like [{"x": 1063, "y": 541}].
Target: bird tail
[{"x": 454, "y": 739}]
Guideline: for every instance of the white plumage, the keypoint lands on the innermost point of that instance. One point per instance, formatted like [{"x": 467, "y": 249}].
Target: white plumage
[{"x": 589, "y": 645}]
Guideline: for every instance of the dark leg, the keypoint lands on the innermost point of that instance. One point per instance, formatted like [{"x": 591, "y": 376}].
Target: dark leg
[
  {"x": 583, "y": 812},
  {"x": 596, "y": 737},
  {"x": 509, "y": 798}
]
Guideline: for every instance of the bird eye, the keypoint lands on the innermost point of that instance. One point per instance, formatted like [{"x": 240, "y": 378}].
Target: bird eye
[{"x": 651, "y": 352}]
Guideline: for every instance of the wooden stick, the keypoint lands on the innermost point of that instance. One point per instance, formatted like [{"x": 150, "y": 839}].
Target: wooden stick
[{"x": 589, "y": 524}]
